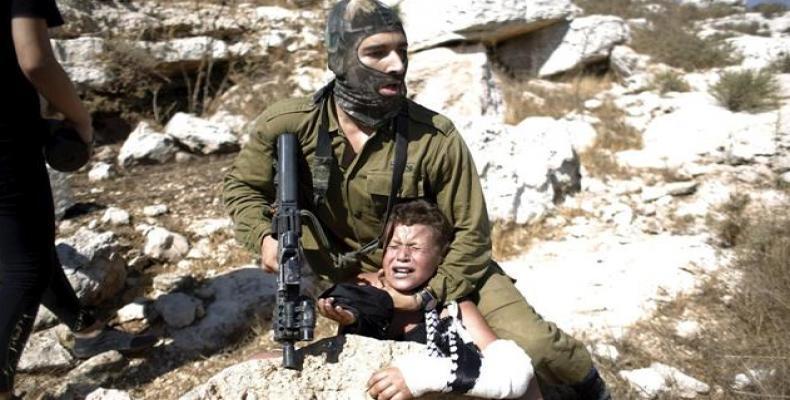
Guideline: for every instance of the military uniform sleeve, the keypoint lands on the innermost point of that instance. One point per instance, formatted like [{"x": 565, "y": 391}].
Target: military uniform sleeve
[
  {"x": 460, "y": 196},
  {"x": 249, "y": 190}
]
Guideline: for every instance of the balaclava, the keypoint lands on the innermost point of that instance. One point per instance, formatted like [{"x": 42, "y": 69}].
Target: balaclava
[{"x": 356, "y": 85}]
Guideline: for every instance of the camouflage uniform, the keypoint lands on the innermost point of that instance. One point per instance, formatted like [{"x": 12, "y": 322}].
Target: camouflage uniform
[{"x": 439, "y": 168}]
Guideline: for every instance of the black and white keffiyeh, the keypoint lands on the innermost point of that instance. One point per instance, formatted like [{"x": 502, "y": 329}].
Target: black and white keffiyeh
[
  {"x": 452, "y": 362},
  {"x": 448, "y": 338}
]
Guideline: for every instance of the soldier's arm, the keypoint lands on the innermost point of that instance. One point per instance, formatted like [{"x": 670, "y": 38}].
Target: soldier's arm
[
  {"x": 249, "y": 189},
  {"x": 460, "y": 197}
]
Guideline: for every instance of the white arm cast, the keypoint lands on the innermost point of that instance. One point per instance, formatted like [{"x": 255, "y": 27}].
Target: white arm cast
[
  {"x": 423, "y": 373},
  {"x": 505, "y": 371}
]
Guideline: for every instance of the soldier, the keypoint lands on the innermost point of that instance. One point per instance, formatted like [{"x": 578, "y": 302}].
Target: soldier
[{"x": 364, "y": 144}]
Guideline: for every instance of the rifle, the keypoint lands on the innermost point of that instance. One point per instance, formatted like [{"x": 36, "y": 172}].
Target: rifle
[{"x": 294, "y": 313}]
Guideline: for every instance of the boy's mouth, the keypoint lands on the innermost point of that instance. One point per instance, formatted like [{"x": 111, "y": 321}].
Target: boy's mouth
[{"x": 401, "y": 272}]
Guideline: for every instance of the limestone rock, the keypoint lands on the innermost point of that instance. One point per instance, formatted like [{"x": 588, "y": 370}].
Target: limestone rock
[
  {"x": 208, "y": 227},
  {"x": 334, "y": 368},
  {"x": 44, "y": 319},
  {"x": 429, "y": 24},
  {"x": 688, "y": 329},
  {"x": 146, "y": 146},
  {"x": 93, "y": 264},
  {"x": 201, "y": 136},
  {"x": 240, "y": 296},
  {"x": 116, "y": 216},
  {"x": 660, "y": 378},
  {"x": 458, "y": 82},
  {"x": 108, "y": 394},
  {"x": 81, "y": 59},
  {"x": 564, "y": 46},
  {"x": 134, "y": 311},
  {"x": 90, "y": 375},
  {"x": 101, "y": 171},
  {"x": 161, "y": 244},
  {"x": 626, "y": 62},
  {"x": 523, "y": 169},
  {"x": 43, "y": 352},
  {"x": 155, "y": 210}
]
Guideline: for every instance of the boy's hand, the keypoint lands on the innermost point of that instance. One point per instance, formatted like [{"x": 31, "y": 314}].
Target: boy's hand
[
  {"x": 338, "y": 314},
  {"x": 388, "y": 384}
]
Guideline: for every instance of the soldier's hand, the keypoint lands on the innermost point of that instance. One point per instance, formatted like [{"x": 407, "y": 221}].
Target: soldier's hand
[
  {"x": 338, "y": 314},
  {"x": 269, "y": 254},
  {"x": 374, "y": 279},
  {"x": 389, "y": 384}
]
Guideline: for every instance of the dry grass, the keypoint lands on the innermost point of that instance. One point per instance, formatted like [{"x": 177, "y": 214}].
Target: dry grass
[
  {"x": 613, "y": 135},
  {"x": 744, "y": 311},
  {"x": 728, "y": 220},
  {"x": 524, "y": 99}
]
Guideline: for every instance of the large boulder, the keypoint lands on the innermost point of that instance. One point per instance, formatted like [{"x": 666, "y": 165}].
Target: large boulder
[
  {"x": 431, "y": 23},
  {"x": 524, "y": 169},
  {"x": 563, "y": 47},
  {"x": 458, "y": 82},
  {"x": 93, "y": 264},
  {"x": 81, "y": 58},
  {"x": 201, "y": 136},
  {"x": 334, "y": 368},
  {"x": 737, "y": 137},
  {"x": 239, "y": 298},
  {"x": 146, "y": 146}
]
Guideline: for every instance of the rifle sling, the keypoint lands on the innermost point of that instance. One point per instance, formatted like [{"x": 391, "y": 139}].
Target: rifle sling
[{"x": 321, "y": 168}]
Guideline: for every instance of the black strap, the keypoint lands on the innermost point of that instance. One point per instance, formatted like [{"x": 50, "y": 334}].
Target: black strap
[
  {"x": 322, "y": 163},
  {"x": 401, "y": 147},
  {"x": 322, "y": 166}
]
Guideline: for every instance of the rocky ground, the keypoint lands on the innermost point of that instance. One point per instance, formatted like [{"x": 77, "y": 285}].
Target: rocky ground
[{"x": 608, "y": 167}]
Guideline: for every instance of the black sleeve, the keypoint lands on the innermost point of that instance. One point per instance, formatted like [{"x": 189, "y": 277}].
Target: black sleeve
[
  {"x": 46, "y": 9},
  {"x": 372, "y": 307}
]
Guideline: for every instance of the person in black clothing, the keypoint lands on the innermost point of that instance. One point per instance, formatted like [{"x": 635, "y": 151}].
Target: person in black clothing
[{"x": 29, "y": 268}]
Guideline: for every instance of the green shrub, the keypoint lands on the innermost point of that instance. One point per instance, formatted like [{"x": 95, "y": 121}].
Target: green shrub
[
  {"x": 670, "y": 81},
  {"x": 682, "y": 48},
  {"x": 749, "y": 28},
  {"x": 770, "y": 10},
  {"x": 621, "y": 8},
  {"x": 748, "y": 90},
  {"x": 781, "y": 65}
]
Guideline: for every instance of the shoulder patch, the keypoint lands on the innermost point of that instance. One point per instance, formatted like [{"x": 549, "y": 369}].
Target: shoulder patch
[
  {"x": 288, "y": 106},
  {"x": 431, "y": 118}
]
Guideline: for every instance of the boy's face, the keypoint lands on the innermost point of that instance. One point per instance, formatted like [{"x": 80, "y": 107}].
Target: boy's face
[{"x": 411, "y": 257}]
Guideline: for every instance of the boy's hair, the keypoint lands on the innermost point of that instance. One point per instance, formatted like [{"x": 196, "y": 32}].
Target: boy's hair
[{"x": 423, "y": 213}]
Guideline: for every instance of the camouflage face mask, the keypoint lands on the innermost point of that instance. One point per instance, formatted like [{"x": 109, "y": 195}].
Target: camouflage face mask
[{"x": 356, "y": 84}]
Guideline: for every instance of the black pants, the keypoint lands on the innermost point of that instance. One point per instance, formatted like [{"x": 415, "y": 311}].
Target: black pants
[{"x": 29, "y": 268}]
